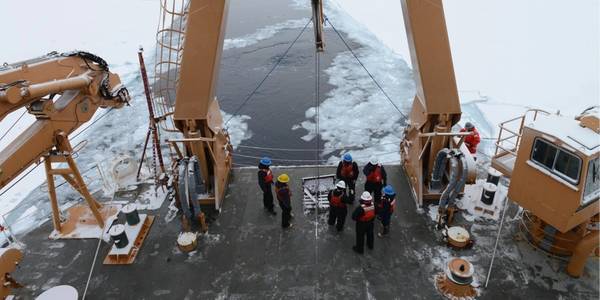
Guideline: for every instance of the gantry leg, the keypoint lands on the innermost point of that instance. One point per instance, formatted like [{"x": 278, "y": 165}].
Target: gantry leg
[
  {"x": 52, "y": 193},
  {"x": 83, "y": 190},
  {"x": 72, "y": 175}
]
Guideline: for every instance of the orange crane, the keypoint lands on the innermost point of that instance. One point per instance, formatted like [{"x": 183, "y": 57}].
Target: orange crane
[{"x": 62, "y": 91}]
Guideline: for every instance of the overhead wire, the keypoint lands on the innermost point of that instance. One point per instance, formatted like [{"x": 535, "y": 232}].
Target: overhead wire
[
  {"x": 93, "y": 122},
  {"x": 365, "y": 68},
  {"x": 268, "y": 74},
  {"x": 13, "y": 125},
  {"x": 40, "y": 162}
]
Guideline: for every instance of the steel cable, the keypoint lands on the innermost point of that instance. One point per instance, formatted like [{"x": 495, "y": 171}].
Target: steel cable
[{"x": 268, "y": 74}]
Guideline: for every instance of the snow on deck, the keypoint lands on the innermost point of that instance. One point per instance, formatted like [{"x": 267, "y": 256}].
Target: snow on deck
[
  {"x": 247, "y": 255},
  {"x": 568, "y": 131}
]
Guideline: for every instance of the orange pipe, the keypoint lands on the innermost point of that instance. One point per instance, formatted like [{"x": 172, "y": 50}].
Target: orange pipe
[{"x": 582, "y": 251}]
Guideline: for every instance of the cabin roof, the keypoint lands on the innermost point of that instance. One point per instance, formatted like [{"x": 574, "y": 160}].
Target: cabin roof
[{"x": 569, "y": 132}]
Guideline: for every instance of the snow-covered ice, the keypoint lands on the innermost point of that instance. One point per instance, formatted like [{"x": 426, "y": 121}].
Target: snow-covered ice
[
  {"x": 371, "y": 125},
  {"x": 538, "y": 53},
  {"x": 263, "y": 33}
]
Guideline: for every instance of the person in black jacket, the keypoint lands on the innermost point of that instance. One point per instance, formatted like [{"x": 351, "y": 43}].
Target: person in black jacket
[
  {"x": 265, "y": 180},
  {"x": 347, "y": 170},
  {"x": 386, "y": 207},
  {"x": 284, "y": 195},
  {"x": 376, "y": 178},
  {"x": 337, "y": 206},
  {"x": 364, "y": 215}
]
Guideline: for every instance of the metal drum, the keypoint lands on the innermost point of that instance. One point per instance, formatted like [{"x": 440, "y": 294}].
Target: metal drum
[
  {"x": 131, "y": 214},
  {"x": 493, "y": 176},
  {"x": 489, "y": 191},
  {"x": 117, "y": 233}
]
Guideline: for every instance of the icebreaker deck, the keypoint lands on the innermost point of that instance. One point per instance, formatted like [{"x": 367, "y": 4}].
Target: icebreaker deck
[{"x": 247, "y": 255}]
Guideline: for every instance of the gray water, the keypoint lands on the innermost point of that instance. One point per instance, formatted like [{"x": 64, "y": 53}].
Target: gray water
[{"x": 290, "y": 90}]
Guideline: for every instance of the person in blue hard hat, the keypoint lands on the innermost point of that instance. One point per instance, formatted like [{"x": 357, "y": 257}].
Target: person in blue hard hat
[
  {"x": 265, "y": 180},
  {"x": 347, "y": 171},
  {"x": 385, "y": 209}
]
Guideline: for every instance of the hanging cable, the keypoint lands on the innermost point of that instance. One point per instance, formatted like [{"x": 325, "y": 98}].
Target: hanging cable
[
  {"x": 21, "y": 178},
  {"x": 365, "y": 68},
  {"x": 268, "y": 74},
  {"x": 361, "y": 147},
  {"x": 38, "y": 164},
  {"x": 13, "y": 125},
  {"x": 93, "y": 122}
]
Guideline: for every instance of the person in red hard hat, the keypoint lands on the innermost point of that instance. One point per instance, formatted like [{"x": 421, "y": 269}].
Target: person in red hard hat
[
  {"x": 364, "y": 215},
  {"x": 471, "y": 141}
]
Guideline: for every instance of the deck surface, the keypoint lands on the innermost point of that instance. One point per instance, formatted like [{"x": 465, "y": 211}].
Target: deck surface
[{"x": 246, "y": 255}]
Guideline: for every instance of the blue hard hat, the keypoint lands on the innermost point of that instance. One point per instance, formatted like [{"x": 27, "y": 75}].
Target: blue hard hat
[
  {"x": 347, "y": 157},
  {"x": 388, "y": 190},
  {"x": 265, "y": 161}
]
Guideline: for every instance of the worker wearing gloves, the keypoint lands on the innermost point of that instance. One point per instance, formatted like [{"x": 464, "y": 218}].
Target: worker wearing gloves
[
  {"x": 284, "y": 196},
  {"x": 337, "y": 206},
  {"x": 265, "y": 180},
  {"x": 376, "y": 178},
  {"x": 385, "y": 209},
  {"x": 471, "y": 141},
  {"x": 364, "y": 216},
  {"x": 347, "y": 171}
]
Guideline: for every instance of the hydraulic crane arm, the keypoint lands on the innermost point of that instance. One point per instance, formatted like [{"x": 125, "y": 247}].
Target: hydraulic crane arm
[{"x": 62, "y": 92}]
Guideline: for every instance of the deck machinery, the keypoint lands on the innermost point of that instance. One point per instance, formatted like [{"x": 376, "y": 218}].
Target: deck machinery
[
  {"x": 553, "y": 165},
  {"x": 562, "y": 211}
]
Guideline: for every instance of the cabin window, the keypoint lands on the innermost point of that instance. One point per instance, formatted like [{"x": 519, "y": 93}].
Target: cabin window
[
  {"x": 556, "y": 160},
  {"x": 591, "y": 191},
  {"x": 544, "y": 153}
]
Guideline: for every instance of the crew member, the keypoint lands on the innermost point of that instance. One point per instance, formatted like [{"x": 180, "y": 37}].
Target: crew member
[
  {"x": 284, "y": 196},
  {"x": 364, "y": 216},
  {"x": 347, "y": 171},
  {"x": 337, "y": 206},
  {"x": 386, "y": 207},
  {"x": 376, "y": 178},
  {"x": 265, "y": 180},
  {"x": 471, "y": 141}
]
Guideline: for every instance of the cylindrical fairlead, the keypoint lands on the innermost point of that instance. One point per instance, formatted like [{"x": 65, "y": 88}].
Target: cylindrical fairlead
[
  {"x": 489, "y": 191},
  {"x": 493, "y": 176},
  {"x": 117, "y": 232},
  {"x": 131, "y": 214}
]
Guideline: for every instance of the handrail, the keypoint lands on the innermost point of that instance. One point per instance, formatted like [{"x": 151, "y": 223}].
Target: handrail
[{"x": 516, "y": 136}]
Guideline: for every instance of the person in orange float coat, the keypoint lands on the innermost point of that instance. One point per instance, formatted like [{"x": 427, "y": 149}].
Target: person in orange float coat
[
  {"x": 376, "y": 178},
  {"x": 347, "y": 170},
  {"x": 471, "y": 141},
  {"x": 337, "y": 206},
  {"x": 364, "y": 215},
  {"x": 265, "y": 180}
]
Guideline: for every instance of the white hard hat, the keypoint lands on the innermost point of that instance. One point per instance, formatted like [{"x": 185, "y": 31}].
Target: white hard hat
[
  {"x": 366, "y": 196},
  {"x": 341, "y": 184},
  {"x": 374, "y": 160}
]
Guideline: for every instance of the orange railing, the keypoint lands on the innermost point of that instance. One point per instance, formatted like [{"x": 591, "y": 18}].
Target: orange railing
[{"x": 511, "y": 131}]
